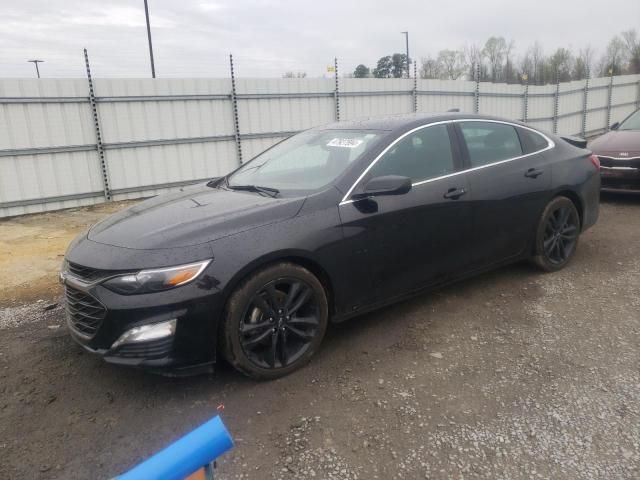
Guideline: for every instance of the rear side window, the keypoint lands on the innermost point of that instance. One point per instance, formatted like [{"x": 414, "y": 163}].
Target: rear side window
[
  {"x": 531, "y": 141},
  {"x": 422, "y": 155},
  {"x": 489, "y": 142}
]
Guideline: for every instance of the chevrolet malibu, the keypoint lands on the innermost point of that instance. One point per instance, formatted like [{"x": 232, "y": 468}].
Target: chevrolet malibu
[{"x": 325, "y": 225}]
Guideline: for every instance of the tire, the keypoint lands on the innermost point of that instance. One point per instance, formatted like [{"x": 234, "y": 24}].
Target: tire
[
  {"x": 557, "y": 235},
  {"x": 271, "y": 327}
]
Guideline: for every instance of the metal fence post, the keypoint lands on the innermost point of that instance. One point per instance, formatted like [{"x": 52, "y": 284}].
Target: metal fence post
[
  {"x": 556, "y": 102},
  {"x": 585, "y": 103},
  {"x": 336, "y": 92},
  {"x": 415, "y": 87},
  {"x": 609, "y": 98},
  {"x": 96, "y": 124},
  {"x": 234, "y": 108},
  {"x": 525, "y": 98},
  {"x": 476, "y": 106}
]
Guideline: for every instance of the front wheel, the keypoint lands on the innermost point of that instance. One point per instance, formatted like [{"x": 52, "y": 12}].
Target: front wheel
[
  {"x": 275, "y": 321},
  {"x": 557, "y": 235}
]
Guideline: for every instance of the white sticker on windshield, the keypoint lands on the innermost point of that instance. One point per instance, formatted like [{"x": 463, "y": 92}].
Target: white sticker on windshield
[{"x": 345, "y": 142}]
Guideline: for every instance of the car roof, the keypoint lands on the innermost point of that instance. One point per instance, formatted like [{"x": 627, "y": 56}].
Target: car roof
[{"x": 406, "y": 121}]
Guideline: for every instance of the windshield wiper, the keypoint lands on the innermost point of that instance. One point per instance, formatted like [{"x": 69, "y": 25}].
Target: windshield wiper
[{"x": 272, "y": 192}]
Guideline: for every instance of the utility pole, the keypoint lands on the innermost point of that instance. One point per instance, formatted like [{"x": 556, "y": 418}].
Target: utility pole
[
  {"x": 406, "y": 35},
  {"x": 146, "y": 13},
  {"x": 35, "y": 62}
]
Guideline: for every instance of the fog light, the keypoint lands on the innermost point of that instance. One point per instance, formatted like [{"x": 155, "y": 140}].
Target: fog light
[{"x": 146, "y": 333}]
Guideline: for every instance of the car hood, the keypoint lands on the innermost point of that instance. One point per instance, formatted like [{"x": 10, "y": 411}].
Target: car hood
[
  {"x": 192, "y": 216},
  {"x": 616, "y": 142}
]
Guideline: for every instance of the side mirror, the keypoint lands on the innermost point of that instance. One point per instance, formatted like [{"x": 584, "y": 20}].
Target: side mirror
[
  {"x": 615, "y": 126},
  {"x": 386, "y": 185}
]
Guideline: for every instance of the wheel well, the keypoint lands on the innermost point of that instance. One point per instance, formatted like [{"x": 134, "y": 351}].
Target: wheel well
[
  {"x": 307, "y": 263},
  {"x": 576, "y": 202}
]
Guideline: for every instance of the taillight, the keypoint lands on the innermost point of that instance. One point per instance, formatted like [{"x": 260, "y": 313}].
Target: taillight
[{"x": 595, "y": 160}]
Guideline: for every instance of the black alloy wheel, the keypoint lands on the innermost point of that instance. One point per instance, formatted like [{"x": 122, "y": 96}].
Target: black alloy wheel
[
  {"x": 275, "y": 321},
  {"x": 557, "y": 235}
]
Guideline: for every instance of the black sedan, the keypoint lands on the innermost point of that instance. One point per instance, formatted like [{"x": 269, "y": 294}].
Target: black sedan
[{"x": 323, "y": 226}]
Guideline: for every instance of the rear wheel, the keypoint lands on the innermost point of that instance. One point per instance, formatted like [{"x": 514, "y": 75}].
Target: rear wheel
[
  {"x": 557, "y": 235},
  {"x": 275, "y": 321}
]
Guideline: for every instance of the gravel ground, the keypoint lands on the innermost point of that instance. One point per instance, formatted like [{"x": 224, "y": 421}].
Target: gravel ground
[{"x": 514, "y": 374}]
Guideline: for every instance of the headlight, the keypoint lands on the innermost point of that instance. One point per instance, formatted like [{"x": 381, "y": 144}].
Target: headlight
[{"x": 156, "y": 280}]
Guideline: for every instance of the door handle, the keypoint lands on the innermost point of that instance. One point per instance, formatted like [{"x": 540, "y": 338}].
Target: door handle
[
  {"x": 454, "y": 193},
  {"x": 533, "y": 173}
]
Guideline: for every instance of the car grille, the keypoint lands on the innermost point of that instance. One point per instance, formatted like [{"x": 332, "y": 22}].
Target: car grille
[
  {"x": 85, "y": 312},
  {"x": 633, "y": 162},
  {"x": 89, "y": 274}
]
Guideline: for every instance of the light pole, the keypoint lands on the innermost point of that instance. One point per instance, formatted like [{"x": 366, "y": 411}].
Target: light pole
[
  {"x": 146, "y": 13},
  {"x": 35, "y": 62},
  {"x": 406, "y": 36}
]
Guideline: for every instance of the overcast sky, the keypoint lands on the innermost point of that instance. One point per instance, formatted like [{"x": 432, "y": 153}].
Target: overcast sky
[{"x": 192, "y": 38}]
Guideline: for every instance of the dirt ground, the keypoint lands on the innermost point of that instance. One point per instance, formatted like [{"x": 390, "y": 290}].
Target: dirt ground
[
  {"x": 514, "y": 374},
  {"x": 32, "y": 248}
]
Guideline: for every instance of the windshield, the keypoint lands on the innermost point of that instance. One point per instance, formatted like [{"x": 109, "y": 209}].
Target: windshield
[
  {"x": 307, "y": 161},
  {"x": 631, "y": 123}
]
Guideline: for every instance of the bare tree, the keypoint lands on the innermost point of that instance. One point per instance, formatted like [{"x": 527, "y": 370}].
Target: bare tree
[
  {"x": 452, "y": 63},
  {"x": 473, "y": 58},
  {"x": 509, "y": 71},
  {"x": 495, "y": 51},
  {"x": 430, "y": 68},
  {"x": 537, "y": 62},
  {"x": 294, "y": 75},
  {"x": 583, "y": 65},
  {"x": 613, "y": 60},
  {"x": 632, "y": 45}
]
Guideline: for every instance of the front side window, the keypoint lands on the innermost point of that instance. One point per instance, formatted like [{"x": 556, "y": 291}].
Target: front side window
[
  {"x": 489, "y": 142},
  {"x": 306, "y": 161},
  {"x": 422, "y": 155}
]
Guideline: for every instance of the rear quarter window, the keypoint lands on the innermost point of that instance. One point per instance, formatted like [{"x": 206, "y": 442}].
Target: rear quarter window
[
  {"x": 531, "y": 141},
  {"x": 490, "y": 142}
]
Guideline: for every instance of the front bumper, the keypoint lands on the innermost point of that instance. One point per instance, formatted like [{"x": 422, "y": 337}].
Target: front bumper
[
  {"x": 620, "y": 179},
  {"x": 194, "y": 307},
  {"x": 620, "y": 174}
]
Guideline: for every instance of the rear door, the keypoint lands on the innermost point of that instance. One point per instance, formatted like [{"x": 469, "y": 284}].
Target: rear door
[
  {"x": 402, "y": 242},
  {"x": 510, "y": 179}
]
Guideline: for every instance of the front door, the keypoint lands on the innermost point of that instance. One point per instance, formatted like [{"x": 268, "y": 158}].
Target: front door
[{"x": 403, "y": 242}]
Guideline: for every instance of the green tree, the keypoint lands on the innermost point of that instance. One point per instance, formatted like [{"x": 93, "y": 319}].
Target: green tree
[
  {"x": 561, "y": 64},
  {"x": 383, "y": 68},
  {"x": 399, "y": 65},
  {"x": 361, "y": 71}
]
